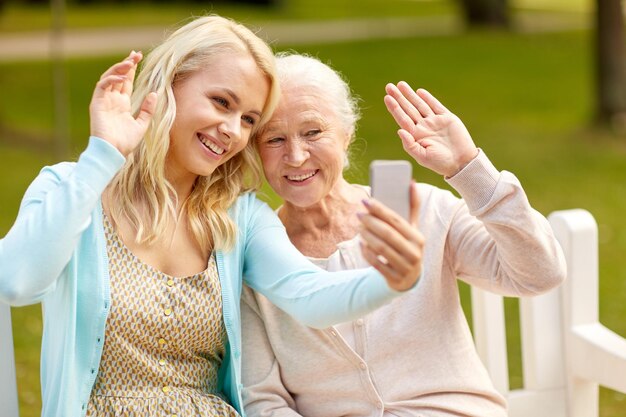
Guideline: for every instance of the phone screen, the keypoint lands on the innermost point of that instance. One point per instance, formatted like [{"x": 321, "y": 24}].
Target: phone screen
[{"x": 390, "y": 181}]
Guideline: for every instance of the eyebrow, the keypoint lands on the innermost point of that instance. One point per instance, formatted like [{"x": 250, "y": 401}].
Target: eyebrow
[{"x": 237, "y": 100}]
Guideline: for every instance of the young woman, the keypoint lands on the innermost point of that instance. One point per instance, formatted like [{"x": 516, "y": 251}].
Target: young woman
[{"x": 137, "y": 251}]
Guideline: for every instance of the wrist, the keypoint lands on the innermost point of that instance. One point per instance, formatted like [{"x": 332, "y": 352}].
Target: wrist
[{"x": 463, "y": 161}]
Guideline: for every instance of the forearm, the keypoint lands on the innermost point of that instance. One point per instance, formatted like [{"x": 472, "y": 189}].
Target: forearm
[
  {"x": 500, "y": 236},
  {"x": 55, "y": 211},
  {"x": 276, "y": 269},
  {"x": 322, "y": 299}
]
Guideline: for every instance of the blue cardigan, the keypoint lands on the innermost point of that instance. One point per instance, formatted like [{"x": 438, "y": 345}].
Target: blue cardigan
[{"x": 55, "y": 253}]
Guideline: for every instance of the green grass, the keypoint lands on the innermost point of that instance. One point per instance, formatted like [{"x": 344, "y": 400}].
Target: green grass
[
  {"x": 526, "y": 99},
  {"x": 18, "y": 18}
]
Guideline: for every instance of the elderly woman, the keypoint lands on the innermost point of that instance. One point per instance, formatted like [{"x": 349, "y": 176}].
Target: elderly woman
[{"x": 414, "y": 356}]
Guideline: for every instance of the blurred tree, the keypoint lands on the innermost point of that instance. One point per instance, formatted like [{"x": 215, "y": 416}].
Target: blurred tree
[
  {"x": 257, "y": 2},
  {"x": 492, "y": 13},
  {"x": 268, "y": 3},
  {"x": 611, "y": 64}
]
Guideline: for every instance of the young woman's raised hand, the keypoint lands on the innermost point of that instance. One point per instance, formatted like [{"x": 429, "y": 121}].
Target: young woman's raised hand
[
  {"x": 391, "y": 244},
  {"x": 435, "y": 137},
  {"x": 110, "y": 111}
]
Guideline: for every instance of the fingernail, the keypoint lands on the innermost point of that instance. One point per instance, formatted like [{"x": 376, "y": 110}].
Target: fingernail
[
  {"x": 360, "y": 215},
  {"x": 366, "y": 202}
]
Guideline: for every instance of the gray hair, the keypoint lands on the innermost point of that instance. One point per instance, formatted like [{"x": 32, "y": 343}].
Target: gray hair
[{"x": 298, "y": 70}]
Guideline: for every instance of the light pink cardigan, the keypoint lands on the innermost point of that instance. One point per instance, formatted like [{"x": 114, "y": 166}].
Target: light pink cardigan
[{"x": 415, "y": 356}]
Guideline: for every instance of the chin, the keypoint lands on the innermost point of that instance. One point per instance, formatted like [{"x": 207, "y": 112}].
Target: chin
[
  {"x": 303, "y": 202},
  {"x": 207, "y": 172}
]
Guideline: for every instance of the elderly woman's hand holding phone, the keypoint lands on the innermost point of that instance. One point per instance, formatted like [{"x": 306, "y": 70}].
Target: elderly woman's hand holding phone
[
  {"x": 392, "y": 244},
  {"x": 390, "y": 239}
]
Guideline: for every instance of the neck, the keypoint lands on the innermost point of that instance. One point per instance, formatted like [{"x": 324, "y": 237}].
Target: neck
[
  {"x": 183, "y": 186},
  {"x": 335, "y": 211}
]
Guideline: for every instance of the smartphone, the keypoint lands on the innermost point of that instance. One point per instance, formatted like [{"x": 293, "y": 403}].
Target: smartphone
[{"x": 390, "y": 182}]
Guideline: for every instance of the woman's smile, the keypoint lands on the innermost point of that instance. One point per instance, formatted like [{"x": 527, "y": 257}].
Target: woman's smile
[
  {"x": 301, "y": 178},
  {"x": 211, "y": 144}
]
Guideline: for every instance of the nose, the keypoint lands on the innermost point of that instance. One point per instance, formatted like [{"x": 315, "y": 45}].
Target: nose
[
  {"x": 230, "y": 126},
  {"x": 296, "y": 152}
]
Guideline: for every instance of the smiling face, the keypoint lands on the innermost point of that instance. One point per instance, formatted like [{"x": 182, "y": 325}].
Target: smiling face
[
  {"x": 303, "y": 147},
  {"x": 216, "y": 110}
]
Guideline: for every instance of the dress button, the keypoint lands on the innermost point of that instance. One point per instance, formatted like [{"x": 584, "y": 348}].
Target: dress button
[
  {"x": 333, "y": 333},
  {"x": 166, "y": 389},
  {"x": 359, "y": 322},
  {"x": 167, "y": 311},
  {"x": 170, "y": 282},
  {"x": 162, "y": 362},
  {"x": 379, "y": 405},
  {"x": 363, "y": 365},
  {"x": 162, "y": 342}
]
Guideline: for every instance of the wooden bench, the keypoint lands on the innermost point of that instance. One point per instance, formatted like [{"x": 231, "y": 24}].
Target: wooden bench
[{"x": 566, "y": 352}]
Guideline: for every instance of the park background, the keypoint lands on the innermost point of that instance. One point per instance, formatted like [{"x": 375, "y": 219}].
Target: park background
[{"x": 527, "y": 96}]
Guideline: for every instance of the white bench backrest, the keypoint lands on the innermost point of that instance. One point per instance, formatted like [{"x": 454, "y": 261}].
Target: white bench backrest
[
  {"x": 8, "y": 387},
  {"x": 566, "y": 352}
]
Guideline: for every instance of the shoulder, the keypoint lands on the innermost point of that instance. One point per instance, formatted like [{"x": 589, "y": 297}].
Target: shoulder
[
  {"x": 247, "y": 210},
  {"x": 366, "y": 188},
  {"x": 245, "y": 204}
]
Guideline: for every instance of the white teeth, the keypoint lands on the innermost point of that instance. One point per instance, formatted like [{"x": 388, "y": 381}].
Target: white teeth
[
  {"x": 215, "y": 148},
  {"x": 212, "y": 146},
  {"x": 300, "y": 177}
]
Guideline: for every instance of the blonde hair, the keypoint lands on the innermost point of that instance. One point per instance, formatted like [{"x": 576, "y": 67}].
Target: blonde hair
[{"x": 142, "y": 184}]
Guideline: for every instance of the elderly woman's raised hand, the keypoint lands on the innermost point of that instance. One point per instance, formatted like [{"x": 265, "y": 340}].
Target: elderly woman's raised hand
[
  {"x": 391, "y": 244},
  {"x": 110, "y": 111},
  {"x": 435, "y": 137}
]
